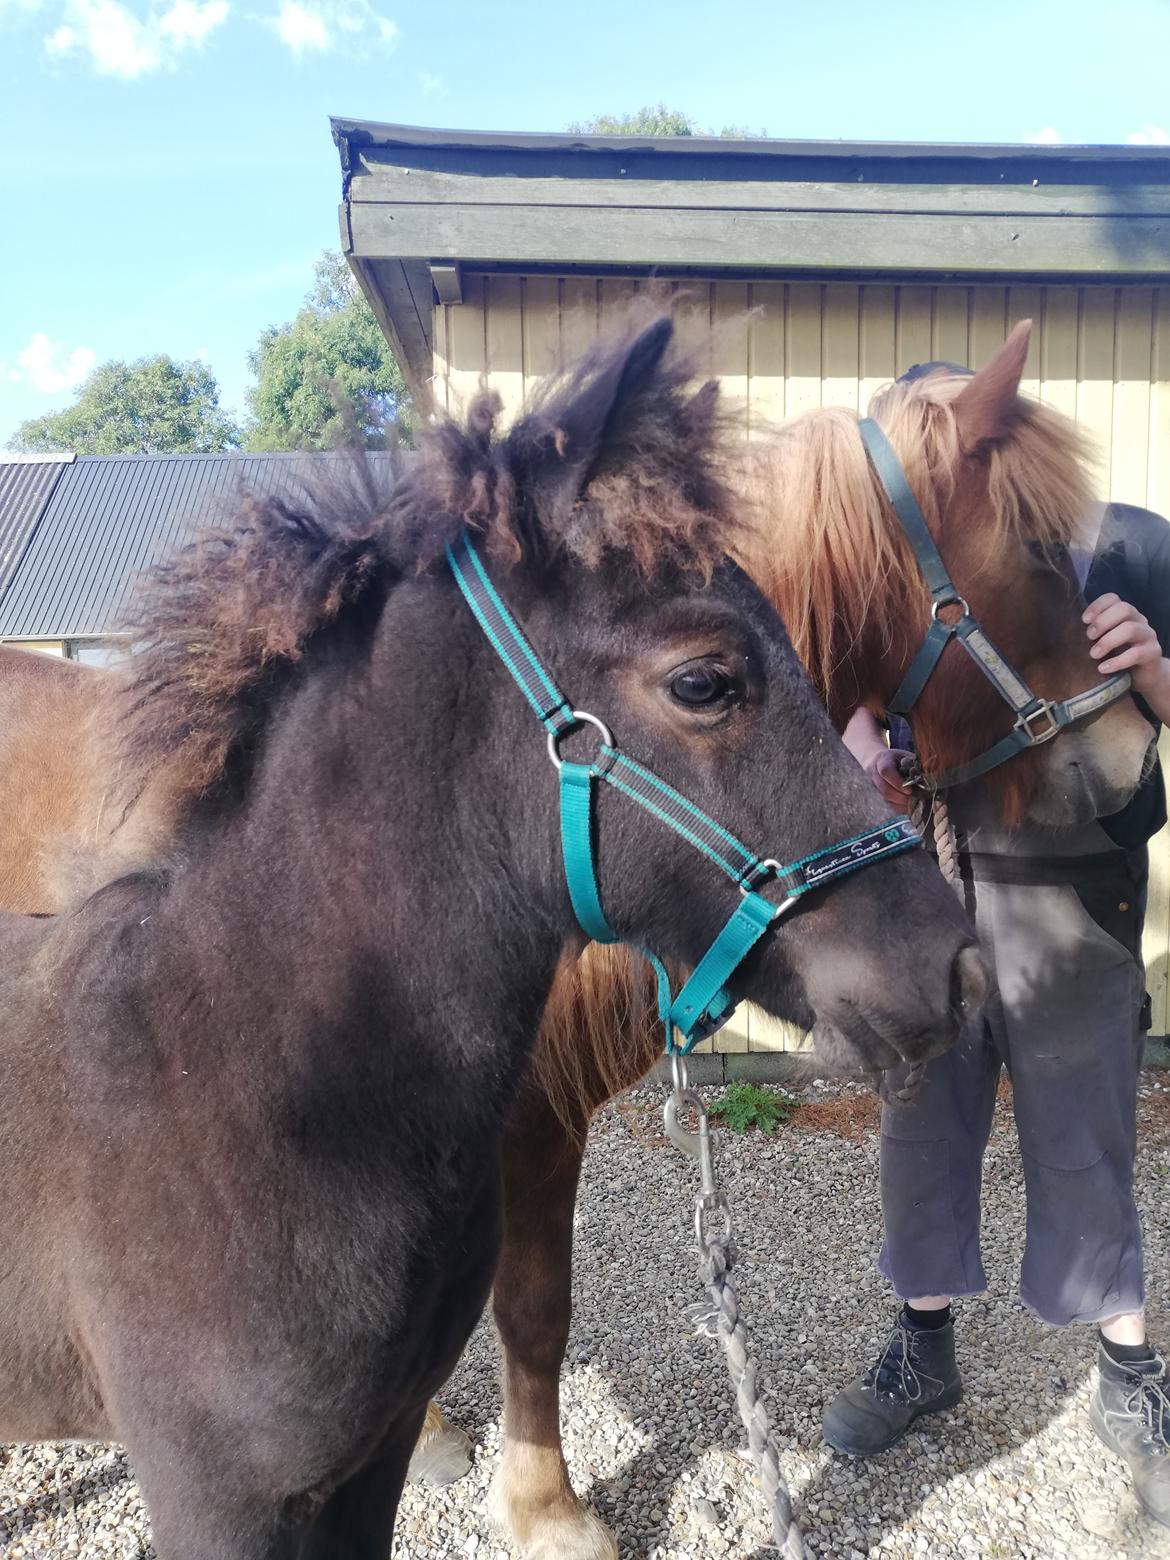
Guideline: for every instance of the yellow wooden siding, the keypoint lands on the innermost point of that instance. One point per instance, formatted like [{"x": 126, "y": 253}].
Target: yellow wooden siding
[
  {"x": 44, "y": 646},
  {"x": 1099, "y": 353}
]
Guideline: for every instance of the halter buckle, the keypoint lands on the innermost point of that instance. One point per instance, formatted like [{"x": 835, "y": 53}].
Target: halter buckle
[
  {"x": 1043, "y": 712},
  {"x": 581, "y": 717}
]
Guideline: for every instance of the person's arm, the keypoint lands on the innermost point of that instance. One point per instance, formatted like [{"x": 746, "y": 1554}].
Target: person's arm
[
  {"x": 1124, "y": 641},
  {"x": 865, "y": 739}
]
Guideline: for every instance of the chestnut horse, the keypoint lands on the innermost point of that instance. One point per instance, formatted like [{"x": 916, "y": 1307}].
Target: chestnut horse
[{"x": 1002, "y": 481}]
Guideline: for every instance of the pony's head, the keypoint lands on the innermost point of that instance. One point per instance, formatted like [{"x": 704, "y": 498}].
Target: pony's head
[
  {"x": 605, "y": 520},
  {"x": 1003, "y": 483}
]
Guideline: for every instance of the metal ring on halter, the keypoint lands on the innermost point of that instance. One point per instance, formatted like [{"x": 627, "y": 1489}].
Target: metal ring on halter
[
  {"x": 951, "y": 601},
  {"x": 682, "y": 1096},
  {"x": 757, "y": 875},
  {"x": 581, "y": 717}
]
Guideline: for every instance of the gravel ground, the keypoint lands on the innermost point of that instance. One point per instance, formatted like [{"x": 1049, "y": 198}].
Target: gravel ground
[{"x": 651, "y": 1433}]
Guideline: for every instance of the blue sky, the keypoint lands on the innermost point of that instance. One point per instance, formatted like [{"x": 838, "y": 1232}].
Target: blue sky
[{"x": 167, "y": 174}]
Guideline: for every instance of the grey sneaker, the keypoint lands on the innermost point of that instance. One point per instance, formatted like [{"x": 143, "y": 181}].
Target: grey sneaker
[
  {"x": 915, "y": 1374},
  {"x": 1130, "y": 1411}
]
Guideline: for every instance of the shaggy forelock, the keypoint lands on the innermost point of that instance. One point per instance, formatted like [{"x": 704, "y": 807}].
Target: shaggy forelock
[{"x": 220, "y": 624}]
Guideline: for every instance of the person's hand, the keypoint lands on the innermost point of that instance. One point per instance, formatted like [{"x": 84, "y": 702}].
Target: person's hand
[
  {"x": 886, "y": 772},
  {"x": 1123, "y": 641}
]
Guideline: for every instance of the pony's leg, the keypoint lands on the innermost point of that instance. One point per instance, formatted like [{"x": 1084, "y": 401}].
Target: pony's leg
[
  {"x": 532, "y": 1300},
  {"x": 442, "y": 1453},
  {"x": 357, "y": 1521},
  {"x": 199, "y": 1516}
]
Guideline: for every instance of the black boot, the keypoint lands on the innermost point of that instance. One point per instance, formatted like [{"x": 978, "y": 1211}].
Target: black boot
[
  {"x": 1130, "y": 1412},
  {"x": 915, "y": 1374}
]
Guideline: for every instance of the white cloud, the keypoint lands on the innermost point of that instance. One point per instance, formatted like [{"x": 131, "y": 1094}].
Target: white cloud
[
  {"x": 48, "y": 367},
  {"x": 431, "y": 85},
  {"x": 314, "y": 26},
  {"x": 301, "y": 29},
  {"x": 1149, "y": 135},
  {"x": 123, "y": 44},
  {"x": 189, "y": 22},
  {"x": 1046, "y": 137}
]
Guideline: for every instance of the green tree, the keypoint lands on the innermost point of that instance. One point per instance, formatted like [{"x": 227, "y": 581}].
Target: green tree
[
  {"x": 153, "y": 406},
  {"x": 654, "y": 119},
  {"x": 333, "y": 348}
]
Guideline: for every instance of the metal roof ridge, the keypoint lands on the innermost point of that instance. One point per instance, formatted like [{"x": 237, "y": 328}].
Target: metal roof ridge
[{"x": 379, "y": 133}]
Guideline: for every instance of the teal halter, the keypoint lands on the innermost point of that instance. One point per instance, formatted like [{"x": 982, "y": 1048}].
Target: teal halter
[
  {"x": 704, "y": 1003},
  {"x": 1037, "y": 720}
]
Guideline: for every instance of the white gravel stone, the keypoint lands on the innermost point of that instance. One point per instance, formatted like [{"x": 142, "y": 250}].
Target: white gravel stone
[{"x": 651, "y": 1433}]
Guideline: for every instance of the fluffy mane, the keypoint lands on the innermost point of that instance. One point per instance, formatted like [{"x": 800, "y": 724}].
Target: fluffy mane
[
  {"x": 835, "y": 559},
  {"x": 220, "y": 625}
]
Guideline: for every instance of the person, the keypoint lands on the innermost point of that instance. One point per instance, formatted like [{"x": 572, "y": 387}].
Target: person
[{"x": 1060, "y": 917}]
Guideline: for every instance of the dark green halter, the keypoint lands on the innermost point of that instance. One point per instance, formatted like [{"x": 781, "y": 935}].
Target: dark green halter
[
  {"x": 1037, "y": 720},
  {"x": 704, "y": 1003}
]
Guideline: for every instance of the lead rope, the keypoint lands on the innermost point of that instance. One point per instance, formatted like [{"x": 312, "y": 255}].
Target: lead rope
[{"x": 719, "y": 1316}]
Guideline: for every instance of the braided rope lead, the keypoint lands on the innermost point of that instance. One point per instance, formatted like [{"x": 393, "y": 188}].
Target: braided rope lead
[{"x": 722, "y": 1319}]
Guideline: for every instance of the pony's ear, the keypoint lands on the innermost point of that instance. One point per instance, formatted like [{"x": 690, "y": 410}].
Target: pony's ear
[
  {"x": 985, "y": 408},
  {"x": 570, "y": 438}
]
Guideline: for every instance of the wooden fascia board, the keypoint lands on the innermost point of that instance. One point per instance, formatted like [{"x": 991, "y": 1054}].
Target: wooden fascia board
[{"x": 761, "y": 240}]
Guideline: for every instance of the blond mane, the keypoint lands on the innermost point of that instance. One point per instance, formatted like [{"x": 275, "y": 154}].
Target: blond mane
[{"x": 836, "y": 562}]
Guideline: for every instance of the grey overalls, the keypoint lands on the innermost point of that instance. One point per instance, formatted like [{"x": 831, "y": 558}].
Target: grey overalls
[{"x": 1059, "y": 914}]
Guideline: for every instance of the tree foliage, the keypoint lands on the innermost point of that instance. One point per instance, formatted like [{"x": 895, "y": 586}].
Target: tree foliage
[
  {"x": 333, "y": 349},
  {"x": 152, "y": 406},
  {"x": 655, "y": 119}
]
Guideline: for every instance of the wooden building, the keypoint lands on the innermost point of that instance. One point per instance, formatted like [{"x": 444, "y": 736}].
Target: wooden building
[{"x": 491, "y": 256}]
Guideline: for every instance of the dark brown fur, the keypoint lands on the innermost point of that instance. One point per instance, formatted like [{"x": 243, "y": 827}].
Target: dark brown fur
[{"x": 250, "y": 1200}]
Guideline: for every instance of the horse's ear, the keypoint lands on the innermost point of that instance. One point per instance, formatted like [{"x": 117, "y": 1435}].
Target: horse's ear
[
  {"x": 985, "y": 409},
  {"x": 572, "y": 440}
]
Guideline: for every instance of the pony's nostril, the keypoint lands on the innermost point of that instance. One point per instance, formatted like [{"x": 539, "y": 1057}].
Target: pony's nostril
[{"x": 969, "y": 982}]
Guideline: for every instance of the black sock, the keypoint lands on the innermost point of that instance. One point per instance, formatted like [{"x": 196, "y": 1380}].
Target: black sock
[
  {"x": 928, "y": 1320},
  {"x": 1126, "y": 1353}
]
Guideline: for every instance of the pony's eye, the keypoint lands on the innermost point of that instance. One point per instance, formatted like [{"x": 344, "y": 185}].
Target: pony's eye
[
  {"x": 700, "y": 685},
  {"x": 1052, "y": 556}
]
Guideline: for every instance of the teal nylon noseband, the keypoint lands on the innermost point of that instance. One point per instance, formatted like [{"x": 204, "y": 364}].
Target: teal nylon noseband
[
  {"x": 704, "y": 1003},
  {"x": 1037, "y": 720}
]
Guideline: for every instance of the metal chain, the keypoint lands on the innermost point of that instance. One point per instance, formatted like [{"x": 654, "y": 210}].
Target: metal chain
[{"x": 719, "y": 1316}]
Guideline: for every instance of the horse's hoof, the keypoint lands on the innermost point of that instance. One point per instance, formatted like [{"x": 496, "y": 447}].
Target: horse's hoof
[
  {"x": 562, "y": 1529},
  {"x": 442, "y": 1453},
  {"x": 587, "y": 1538}
]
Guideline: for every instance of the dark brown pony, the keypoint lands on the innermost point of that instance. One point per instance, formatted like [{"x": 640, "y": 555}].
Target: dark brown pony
[{"x": 250, "y": 1193}]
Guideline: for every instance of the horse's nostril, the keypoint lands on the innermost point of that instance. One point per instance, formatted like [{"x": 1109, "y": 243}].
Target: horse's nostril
[{"x": 969, "y": 982}]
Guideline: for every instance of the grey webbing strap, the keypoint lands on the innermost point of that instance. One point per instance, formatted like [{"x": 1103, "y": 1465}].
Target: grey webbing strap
[{"x": 893, "y": 480}]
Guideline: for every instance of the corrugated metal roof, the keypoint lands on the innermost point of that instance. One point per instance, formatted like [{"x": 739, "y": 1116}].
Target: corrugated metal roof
[
  {"x": 108, "y": 517},
  {"x": 25, "y": 488}
]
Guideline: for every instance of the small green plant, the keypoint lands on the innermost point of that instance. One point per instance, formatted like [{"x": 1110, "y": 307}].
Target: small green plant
[{"x": 745, "y": 1106}]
